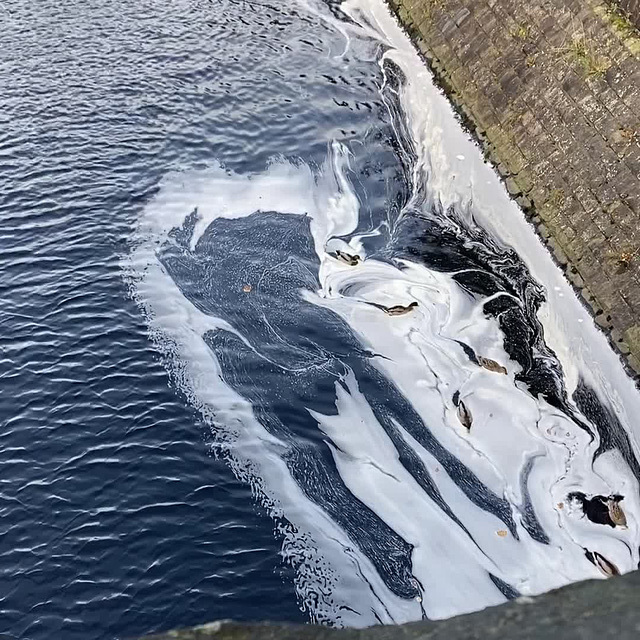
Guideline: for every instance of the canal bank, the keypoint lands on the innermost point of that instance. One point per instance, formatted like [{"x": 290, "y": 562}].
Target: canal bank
[{"x": 551, "y": 90}]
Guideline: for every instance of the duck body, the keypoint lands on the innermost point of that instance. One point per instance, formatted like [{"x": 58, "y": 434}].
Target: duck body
[
  {"x": 485, "y": 363},
  {"x": 351, "y": 259},
  {"x": 463, "y": 412},
  {"x": 398, "y": 309},
  {"x": 491, "y": 365},
  {"x": 606, "y": 566},
  {"x": 464, "y": 415},
  {"x": 601, "y": 509}
]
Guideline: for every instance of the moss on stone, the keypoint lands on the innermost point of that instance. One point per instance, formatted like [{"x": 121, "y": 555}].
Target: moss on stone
[
  {"x": 623, "y": 28},
  {"x": 582, "y": 53}
]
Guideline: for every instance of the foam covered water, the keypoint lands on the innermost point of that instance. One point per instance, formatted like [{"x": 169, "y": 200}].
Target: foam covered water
[{"x": 416, "y": 477}]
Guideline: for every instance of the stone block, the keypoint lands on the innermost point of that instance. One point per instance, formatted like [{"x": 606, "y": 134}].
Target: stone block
[
  {"x": 447, "y": 27},
  {"x": 512, "y": 187},
  {"x": 461, "y": 16},
  {"x": 511, "y": 85},
  {"x": 634, "y": 363}
]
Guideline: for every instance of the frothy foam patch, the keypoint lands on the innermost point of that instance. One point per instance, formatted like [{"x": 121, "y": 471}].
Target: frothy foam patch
[
  {"x": 462, "y": 472},
  {"x": 331, "y": 571}
]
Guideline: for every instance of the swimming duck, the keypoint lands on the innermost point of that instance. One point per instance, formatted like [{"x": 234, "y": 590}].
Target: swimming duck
[
  {"x": 347, "y": 258},
  {"x": 464, "y": 415},
  {"x": 491, "y": 365},
  {"x": 615, "y": 511},
  {"x": 487, "y": 363},
  {"x": 601, "y": 509},
  {"x": 396, "y": 310},
  {"x": 399, "y": 310},
  {"x": 606, "y": 567}
]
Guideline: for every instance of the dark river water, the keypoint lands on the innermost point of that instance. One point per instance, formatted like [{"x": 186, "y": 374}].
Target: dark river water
[{"x": 205, "y": 412}]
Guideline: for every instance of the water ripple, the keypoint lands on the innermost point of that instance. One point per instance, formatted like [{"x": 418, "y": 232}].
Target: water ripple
[
  {"x": 120, "y": 509},
  {"x": 116, "y": 520}
]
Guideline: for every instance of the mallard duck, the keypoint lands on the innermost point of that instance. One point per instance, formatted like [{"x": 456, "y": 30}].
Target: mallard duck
[
  {"x": 615, "y": 511},
  {"x": 464, "y": 415},
  {"x": 601, "y": 509},
  {"x": 399, "y": 310},
  {"x": 487, "y": 363},
  {"x": 396, "y": 310},
  {"x": 347, "y": 258},
  {"x": 606, "y": 567},
  {"x": 491, "y": 365}
]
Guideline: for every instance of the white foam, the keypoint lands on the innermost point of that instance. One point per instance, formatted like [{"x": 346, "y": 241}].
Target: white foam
[{"x": 427, "y": 365}]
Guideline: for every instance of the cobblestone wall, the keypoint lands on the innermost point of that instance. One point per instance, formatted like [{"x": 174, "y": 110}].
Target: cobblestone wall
[{"x": 552, "y": 89}]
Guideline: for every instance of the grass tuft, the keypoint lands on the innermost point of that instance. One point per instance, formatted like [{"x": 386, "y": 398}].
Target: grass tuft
[
  {"x": 520, "y": 32},
  {"x": 620, "y": 22},
  {"x": 582, "y": 53}
]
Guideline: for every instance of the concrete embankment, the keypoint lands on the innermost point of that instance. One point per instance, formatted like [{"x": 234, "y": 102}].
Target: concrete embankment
[
  {"x": 551, "y": 88},
  {"x": 593, "y": 610}
]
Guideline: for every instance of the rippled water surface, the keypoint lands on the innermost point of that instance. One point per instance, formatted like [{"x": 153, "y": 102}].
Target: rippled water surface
[{"x": 209, "y": 212}]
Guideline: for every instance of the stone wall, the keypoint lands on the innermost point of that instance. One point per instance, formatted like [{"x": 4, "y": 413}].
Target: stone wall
[
  {"x": 631, "y": 9},
  {"x": 552, "y": 90}
]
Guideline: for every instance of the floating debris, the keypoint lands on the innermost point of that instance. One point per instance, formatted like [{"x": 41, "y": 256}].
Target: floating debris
[
  {"x": 615, "y": 511},
  {"x": 347, "y": 258},
  {"x": 491, "y": 365},
  {"x": 560, "y": 505},
  {"x": 502, "y": 533},
  {"x": 606, "y": 567},
  {"x": 464, "y": 415},
  {"x": 247, "y": 288}
]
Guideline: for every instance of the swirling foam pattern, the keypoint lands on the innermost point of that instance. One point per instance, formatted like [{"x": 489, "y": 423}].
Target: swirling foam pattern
[
  {"x": 438, "y": 459},
  {"x": 221, "y": 157}
]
